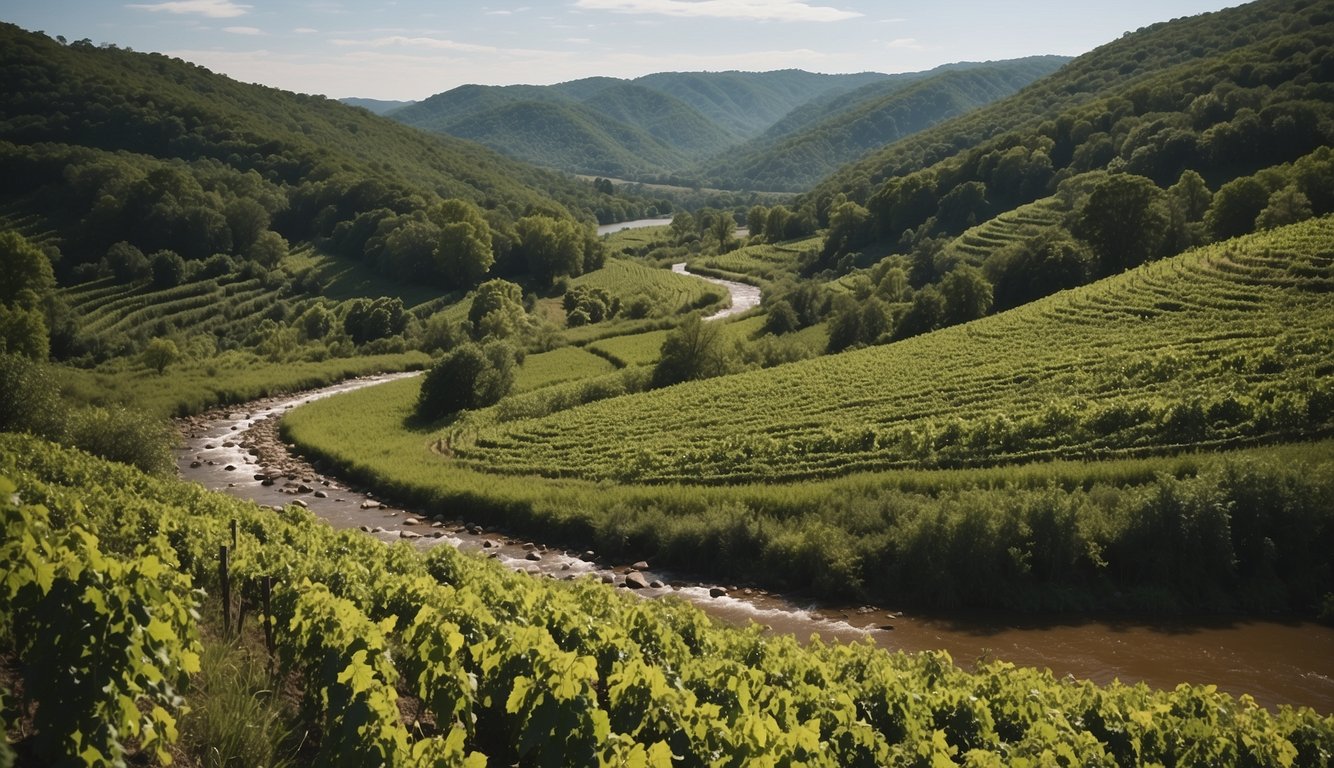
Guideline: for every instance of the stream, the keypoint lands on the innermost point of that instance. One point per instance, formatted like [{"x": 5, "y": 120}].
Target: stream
[{"x": 237, "y": 452}]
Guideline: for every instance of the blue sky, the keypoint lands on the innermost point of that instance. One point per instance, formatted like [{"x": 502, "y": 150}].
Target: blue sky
[{"x": 410, "y": 49}]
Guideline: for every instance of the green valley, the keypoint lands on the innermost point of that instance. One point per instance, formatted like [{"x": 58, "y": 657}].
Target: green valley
[{"x": 678, "y": 408}]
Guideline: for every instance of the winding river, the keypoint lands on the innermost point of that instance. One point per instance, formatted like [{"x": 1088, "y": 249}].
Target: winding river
[
  {"x": 238, "y": 452},
  {"x": 1276, "y": 662}
]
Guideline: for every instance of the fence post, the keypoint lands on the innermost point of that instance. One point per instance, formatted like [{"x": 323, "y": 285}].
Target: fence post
[
  {"x": 266, "y": 593},
  {"x": 225, "y": 577}
]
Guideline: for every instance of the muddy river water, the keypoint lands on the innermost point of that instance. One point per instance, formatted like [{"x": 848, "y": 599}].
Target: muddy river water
[{"x": 1276, "y": 662}]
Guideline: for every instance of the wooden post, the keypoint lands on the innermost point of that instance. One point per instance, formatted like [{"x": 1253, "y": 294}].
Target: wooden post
[
  {"x": 240, "y": 612},
  {"x": 266, "y": 593},
  {"x": 225, "y": 577},
  {"x": 233, "y": 533}
]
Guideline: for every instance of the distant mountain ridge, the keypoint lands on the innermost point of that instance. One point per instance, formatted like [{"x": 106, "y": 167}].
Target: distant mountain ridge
[
  {"x": 817, "y": 138},
  {"x": 685, "y": 124},
  {"x": 376, "y": 106}
]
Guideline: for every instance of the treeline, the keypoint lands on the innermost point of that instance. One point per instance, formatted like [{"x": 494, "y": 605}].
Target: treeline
[
  {"x": 112, "y": 147},
  {"x": 1223, "y": 95}
]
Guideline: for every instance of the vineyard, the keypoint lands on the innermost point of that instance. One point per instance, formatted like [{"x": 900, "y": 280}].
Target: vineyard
[
  {"x": 993, "y": 235},
  {"x": 768, "y": 262},
  {"x": 403, "y": 657},
  {"x": 562, "y": 364},
  {"x": 1226, "y": 345}
]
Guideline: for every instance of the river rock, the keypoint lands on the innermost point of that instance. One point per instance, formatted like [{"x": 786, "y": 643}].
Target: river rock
[
  {"x": 636, "y": 580},
  {"x": 303, "y": 488},
  {"x": 368, "y": 504},
  {"x": 300, "y": 503},
  {"x": 410, "y": 521},
  {"x": 656, "y": 584},
  {"x": 409, "y": 535},
  {"x": 640, "y": 566},
  {"x": 588, "y": 556},
  {"x": 607, "y": 578},
  {"x": 321, "y": 495},
  {"x": 717, "y": 592},
  {"x": 489, "y": 544},
  {"x": 230, "y": 467},
  {"x": 196, "y": 464},
  {"x": 533, "y": 556}
]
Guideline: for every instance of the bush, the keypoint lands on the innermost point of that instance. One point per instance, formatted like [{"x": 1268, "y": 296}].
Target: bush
[
  {"x": 471, "y": 376},
  {"x": 124, "y": 435},
  {"x": 29, "y": 398}
]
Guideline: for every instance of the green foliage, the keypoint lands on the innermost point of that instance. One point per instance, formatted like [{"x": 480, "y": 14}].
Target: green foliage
[
  {"x": 1124, "y": 221},
  {"x": 497, "y": 311},
  {"x": 105, "y": 643},
  {"x": 161, "y": 353},
  {"x": 29, "y": 397},
  {"x": 1190, "y": 95},
  {"x": 554, "y": 247},
  {"x": 693, "y": 350},
  {"x": 125, "y": 435},
  {"x": 370, "y": 319},
  {"x": 467, "y": 377},
  {"x": 585, "y": 305},
  {"x": 515, "y": 670},
  {"x": 27, "y": 271}
]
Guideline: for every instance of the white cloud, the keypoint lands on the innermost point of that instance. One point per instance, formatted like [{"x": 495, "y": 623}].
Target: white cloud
[
  {"x": 305, "y": 31},
  {"x": 243, "y": 30},
  {"x": 214, "y": 9},
  {"x": 906, "y": 43},
  {"x": 436, "y": 44},
  {"x": 748, "y": 10}
]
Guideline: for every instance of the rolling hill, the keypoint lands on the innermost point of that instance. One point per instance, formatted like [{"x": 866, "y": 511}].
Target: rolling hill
[
  {"x": 816, "y": 139},
  {"x": 1224, "y": 94},
  {"x": 669, "y": 124}
]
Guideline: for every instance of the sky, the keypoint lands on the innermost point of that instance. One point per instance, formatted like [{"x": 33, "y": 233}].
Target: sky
[{"x": 411, "y": 49}]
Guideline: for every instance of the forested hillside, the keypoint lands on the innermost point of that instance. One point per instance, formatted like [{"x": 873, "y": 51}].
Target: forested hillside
[
  {"x": 149, "y": 180},
  {"x": 816, "y": 139},
  {"x": 1222, "y": 95},
  {"x": 686, "y": 126}
]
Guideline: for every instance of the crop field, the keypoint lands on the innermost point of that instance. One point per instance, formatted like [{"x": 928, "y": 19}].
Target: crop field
[
  {"x": 1225, "y": 345},
  {"x": 766, "y": 262},
  {"x": 563, "y": 364},
  {"x": 348, "y": 279},
  {"x": 666, "y": 290},
  {"x": 232, "y": 377},
  {"x": 976, "y": 244},
  {"x": 634, "y": 349}
]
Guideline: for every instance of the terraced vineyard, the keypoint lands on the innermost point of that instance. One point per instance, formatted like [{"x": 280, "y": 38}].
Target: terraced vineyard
[
  {"x": 766, "y": 262},
  {"x": 625, "y": 279},
  {"x": 109, "y": 308},
  {"x": 563, "y": 364},
  {"x": 1226, "y": 345},
  {"x": 977, "y": 243}
]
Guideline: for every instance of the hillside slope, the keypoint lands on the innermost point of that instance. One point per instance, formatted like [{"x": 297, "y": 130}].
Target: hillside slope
[
  {"x": 1224, "y": 94},
  {"x": 1223, "y": 345},
  {"x": 813, "y": 141}
]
